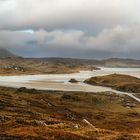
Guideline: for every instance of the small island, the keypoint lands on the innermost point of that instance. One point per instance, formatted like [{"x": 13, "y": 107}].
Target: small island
[{"x": 73, "y": 80}]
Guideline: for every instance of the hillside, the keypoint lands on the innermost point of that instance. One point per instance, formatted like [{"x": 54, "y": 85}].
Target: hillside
[
  {"x": 12, "y": 65},
  {"x": 29, "y": 114},
  {"x": 117, "y": 81},
  {"x": 19, "y": 65},
  {"x": 118, "y": 62},
  {"x": 4, "y": 53}
]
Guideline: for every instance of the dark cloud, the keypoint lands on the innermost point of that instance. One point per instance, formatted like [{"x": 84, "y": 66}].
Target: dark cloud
[
  {"x": 74, "y": 28},
  {"x": 118, "y": 41}
]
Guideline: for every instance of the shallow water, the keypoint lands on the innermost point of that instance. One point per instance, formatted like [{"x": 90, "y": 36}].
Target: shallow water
[{"x": 60, "y": 81}]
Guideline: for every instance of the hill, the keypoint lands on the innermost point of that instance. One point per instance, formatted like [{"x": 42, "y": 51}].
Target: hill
[
  {"x": 4, "y": 53},
  {"x": 117, "y": 81},
  {"x": 120, "y": 62},
  {"x": 10, "y": 64}
]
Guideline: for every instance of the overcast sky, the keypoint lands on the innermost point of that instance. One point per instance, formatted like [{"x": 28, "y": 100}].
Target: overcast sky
[{"x": 71, "y": 28}]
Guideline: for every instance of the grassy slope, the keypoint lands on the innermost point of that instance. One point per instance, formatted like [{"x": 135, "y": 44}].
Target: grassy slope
[
  {"x": 59, "y": 65},
  {"x": 117, "y": 81},
  {"x": 42, "y": 66},
  {"x": 31, "y": 114}
]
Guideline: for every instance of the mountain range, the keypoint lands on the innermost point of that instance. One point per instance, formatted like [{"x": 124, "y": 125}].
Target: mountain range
[{"x": 112, "y": 62}]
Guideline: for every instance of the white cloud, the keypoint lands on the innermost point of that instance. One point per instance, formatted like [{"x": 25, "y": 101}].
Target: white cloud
[{"x": 50, "y": 14}]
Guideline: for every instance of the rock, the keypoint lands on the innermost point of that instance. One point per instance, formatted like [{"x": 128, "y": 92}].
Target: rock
[
  {"x": 73, "y": 80},
  {"x": 25, "y": 90},
  {"x": 70, "y": 97},
  {"x": 130, "y": 105},
  {"x": 14, "y": 67},
  {"x": 87, "y": 122},
  {"x": 76, "y": 126}
]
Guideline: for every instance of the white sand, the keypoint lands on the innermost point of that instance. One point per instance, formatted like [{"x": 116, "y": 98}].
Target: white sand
[{"x": 60, "y": 81}]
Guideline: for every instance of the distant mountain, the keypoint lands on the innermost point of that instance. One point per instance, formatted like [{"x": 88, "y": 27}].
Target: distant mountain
[
  {"x": 4, "y": 53},
  {"x": 120, "y": 62},
  {"x": 111, "y": 62}
]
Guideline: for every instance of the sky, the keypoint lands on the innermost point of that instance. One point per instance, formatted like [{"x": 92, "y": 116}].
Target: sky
[{"x": 71, "y": 28}]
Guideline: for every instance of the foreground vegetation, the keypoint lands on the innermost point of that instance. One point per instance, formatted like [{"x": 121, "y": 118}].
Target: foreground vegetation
[
  {"x": 56, "y": 115},
  {"x": 120, "y": 82}
]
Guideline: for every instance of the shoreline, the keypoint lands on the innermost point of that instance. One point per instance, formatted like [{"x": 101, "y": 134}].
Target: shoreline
[{"x": 60, "y": 82}]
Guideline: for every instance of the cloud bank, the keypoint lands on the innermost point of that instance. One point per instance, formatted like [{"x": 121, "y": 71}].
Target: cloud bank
[{"x": 75, "y": 28}]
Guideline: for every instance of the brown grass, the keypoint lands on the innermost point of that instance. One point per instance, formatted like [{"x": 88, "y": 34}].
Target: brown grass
[
  {"x": 43, "y": 66},
  {"x": 117, "y": 81},
  {"x": 31, "y": 114}
]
